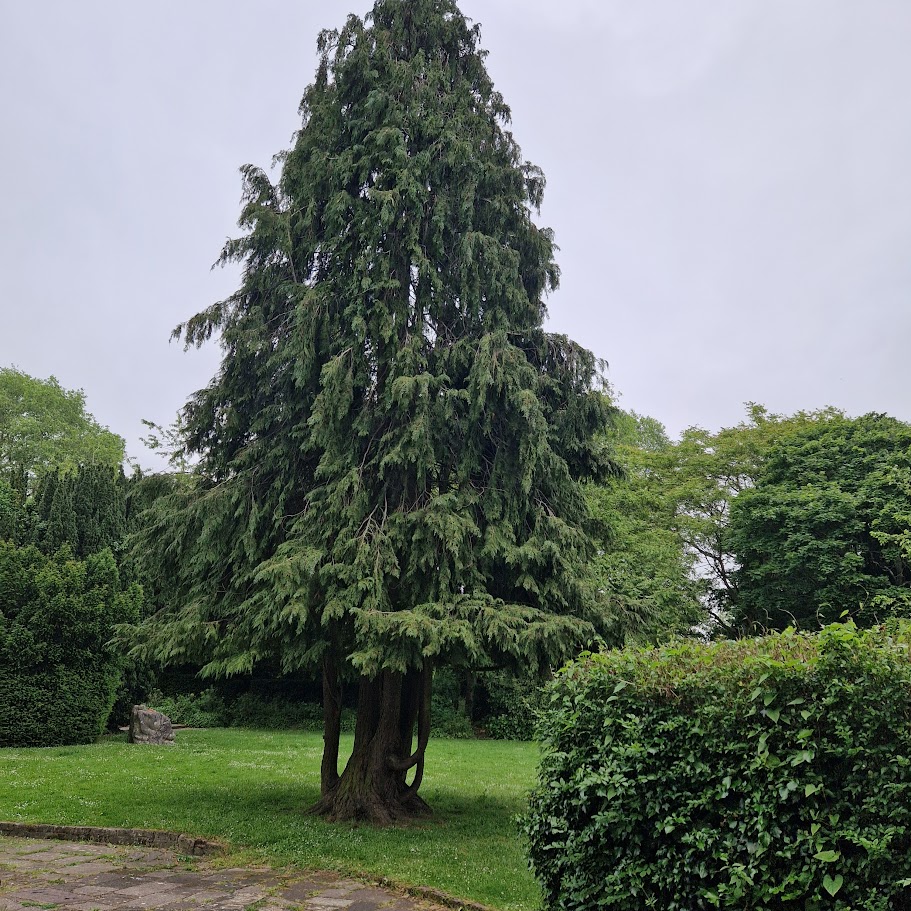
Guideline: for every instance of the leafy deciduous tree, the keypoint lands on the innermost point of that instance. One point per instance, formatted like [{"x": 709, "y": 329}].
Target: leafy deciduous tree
[
  {"x": 703, "y": 474},
  {"x": 646, "y": 575},
  {"x": 822, "y": 531},
  {"x": 44, "y": 427}
]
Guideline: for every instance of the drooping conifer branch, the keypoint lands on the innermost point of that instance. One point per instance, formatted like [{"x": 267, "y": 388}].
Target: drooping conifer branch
[{"x": 389, "y": 455}]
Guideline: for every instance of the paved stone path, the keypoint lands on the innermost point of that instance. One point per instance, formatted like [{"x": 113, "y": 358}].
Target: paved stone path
[{"x": 89, "y": 877}]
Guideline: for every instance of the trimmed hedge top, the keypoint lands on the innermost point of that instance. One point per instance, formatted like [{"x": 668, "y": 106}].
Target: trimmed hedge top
[{"x": 767, "y": 773}]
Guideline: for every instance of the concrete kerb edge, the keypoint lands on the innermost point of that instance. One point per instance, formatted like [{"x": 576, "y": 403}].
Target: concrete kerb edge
[
  {"x": 434, "y": 895},
  {"x": 145, "y": 838}
]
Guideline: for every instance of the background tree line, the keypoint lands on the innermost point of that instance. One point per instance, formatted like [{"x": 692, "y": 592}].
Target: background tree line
[{"x": 778, "y": 521}]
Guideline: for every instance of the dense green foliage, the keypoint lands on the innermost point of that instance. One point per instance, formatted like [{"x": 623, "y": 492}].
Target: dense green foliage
[
  {"x": 701, "y": 475},
  {"x": 389, "y": 455},
  {"x": 44, "y": 427},
  {"x": 12, "y": 514},
  {"x": 664, "y": 560},
  {"x": 84, "y": 509},
  {"x": 778, "y": 520},
  {"x": 512, "y": 706},
  {"x": 57, "y": 674},
  {"x": 270, "y": 701},
  {"x": 197, "y": 710},
  {"x": 645, "y": 574},
  {"x": 246, "y": 788},
  {"x": 62, "y": 495},
  {"x": 820, "y": 533},
  {"x": 766, "y": 774},
  {"x": 210, "y": 709}
]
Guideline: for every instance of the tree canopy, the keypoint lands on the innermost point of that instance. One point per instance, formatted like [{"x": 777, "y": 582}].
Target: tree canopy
[
  {"x": 823, "y": 530},
  {"x": 646, "y": 575},
  {"x": 389, "y": 455},
  {"x": 781, "y": 519},
  {"x": 85, "y": 510},
  {"x": 702, "y": 475},
  {"x": 46, "y": 427}
]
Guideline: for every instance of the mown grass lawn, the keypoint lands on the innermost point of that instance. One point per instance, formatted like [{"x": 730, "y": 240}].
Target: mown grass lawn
[{"x": 251, "y": 788}]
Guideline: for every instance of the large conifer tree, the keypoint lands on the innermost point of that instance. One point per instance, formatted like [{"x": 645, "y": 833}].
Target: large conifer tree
[{"x": 389, "y": 454}]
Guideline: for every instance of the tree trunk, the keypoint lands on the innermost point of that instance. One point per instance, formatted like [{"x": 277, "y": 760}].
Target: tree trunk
[
  {"x": 374, "y": 787},
  {"x": 471, "y": 684},
  {"x": 332, "y": 724}
]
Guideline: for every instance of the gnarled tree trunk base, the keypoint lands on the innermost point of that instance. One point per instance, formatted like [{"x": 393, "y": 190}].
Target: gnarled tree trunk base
[
  {"x": 374, "y": 788},
  {"x": 370, "y": 808}
]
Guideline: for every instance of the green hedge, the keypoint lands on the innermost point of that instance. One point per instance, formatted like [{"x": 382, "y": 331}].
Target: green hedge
[
  {"x": 771, "y": 773},
  {"x": 58, "y": 677}
]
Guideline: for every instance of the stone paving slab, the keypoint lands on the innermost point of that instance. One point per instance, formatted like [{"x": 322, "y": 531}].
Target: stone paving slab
[{"x": 76, "y": 876}]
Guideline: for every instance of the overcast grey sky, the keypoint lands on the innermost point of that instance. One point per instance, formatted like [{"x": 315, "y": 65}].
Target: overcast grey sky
[{"x": 729, "y": 183}]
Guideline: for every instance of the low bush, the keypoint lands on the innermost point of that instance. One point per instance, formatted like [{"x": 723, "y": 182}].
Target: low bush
[
  {"x": 196, "y": 710},
  {"x": 252, "y": 711},
  {"x": 447, "y": 710},
  {"x": 513, "y": 705},
  {"x": 506, "y": 707},
  {"x": 276, "y": 713},
  {"x": 449, "y": 722},
  {"x": 771, "y": 773},
  {"x": 58, "y": 675},
  {"x": 209, "y": 709}
]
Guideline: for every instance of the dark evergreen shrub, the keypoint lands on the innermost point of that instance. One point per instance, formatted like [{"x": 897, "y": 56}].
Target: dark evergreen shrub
[
  {"x": 12, "y": 513},
  {"x": 84, "y": 509},
  {"x": 772, "y": 773},
  {"x": 511, "y": 705},
  {"x": 58, "y": 675},
  {"x": 250, "y": 710},
  {"x": 448, "y": 707}
]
